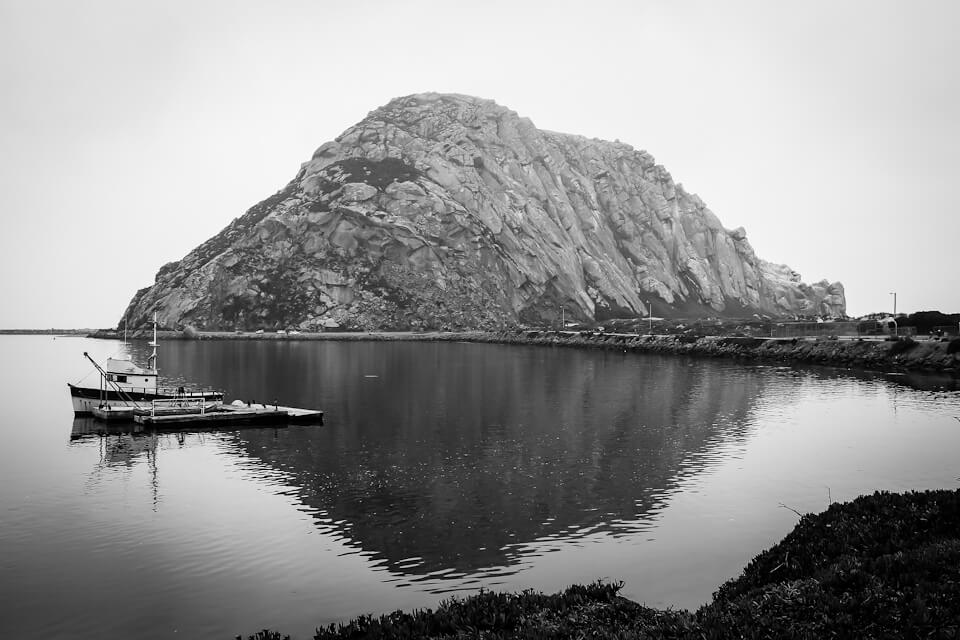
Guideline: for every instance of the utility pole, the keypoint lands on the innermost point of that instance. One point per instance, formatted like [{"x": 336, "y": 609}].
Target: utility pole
[{"x": 649, "y": 318}]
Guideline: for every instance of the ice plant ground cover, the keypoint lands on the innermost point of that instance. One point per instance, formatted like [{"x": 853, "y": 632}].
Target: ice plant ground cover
[{"x": 885, "y": 565}]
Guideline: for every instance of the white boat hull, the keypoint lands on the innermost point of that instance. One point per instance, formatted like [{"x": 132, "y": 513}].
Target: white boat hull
[{"x": 86, "y": 399}]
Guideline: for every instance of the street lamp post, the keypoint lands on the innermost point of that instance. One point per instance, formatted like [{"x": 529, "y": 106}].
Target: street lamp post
[{"x": 895, "y": 329}]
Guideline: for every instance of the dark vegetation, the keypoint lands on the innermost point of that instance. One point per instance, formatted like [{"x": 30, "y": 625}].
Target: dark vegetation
[
  {"x": 882, "y": 566},
  {"x": 595, "y": 610},
  {"x": 235, "y": 230},
  {"x": 886, "y": 565},
  {"x": 742, "y": 341},
  {"x": 954, "y": 346},
  {"x": 228, "y": 236},
  {"x": 926, "y": 321},
  {"x": 902, "y": 345},
  {"x": 376, "y": 173}
]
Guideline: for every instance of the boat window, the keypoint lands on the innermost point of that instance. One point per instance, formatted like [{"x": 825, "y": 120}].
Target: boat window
[{"x": 121, "y": 378}]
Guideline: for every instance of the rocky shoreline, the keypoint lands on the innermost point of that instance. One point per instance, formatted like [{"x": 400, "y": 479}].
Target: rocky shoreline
[
  {"x": 906, "y": 354},
  {"x": 900, "y": 355}
]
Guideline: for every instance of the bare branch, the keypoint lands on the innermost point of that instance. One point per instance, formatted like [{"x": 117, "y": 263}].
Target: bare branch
[{"x": 791, "y": 509}]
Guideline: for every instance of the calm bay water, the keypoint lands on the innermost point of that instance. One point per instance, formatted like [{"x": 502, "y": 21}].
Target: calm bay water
[{"x": 441, "y": 468}]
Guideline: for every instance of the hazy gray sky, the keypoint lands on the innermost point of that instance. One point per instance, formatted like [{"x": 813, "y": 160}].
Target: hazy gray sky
[{"x": 133, "y": 131}]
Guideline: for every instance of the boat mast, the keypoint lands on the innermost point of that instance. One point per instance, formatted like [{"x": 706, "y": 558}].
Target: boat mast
[{"x": 152, "y": 362}]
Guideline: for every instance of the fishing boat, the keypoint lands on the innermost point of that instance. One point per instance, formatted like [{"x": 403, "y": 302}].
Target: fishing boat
[{"x": 125, "y": 386}]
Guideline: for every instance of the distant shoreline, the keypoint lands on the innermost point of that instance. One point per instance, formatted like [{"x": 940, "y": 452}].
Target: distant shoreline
[
  {"x": 48, "y": 332},
  {"x": 907, "y": 354}
]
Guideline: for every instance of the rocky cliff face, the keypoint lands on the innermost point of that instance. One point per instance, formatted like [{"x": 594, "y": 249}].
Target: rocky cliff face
[{"x": 451, "y": 211}]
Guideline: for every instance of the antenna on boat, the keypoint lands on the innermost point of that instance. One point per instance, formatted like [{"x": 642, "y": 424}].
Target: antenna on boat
[{"x": 152, "y": 363}]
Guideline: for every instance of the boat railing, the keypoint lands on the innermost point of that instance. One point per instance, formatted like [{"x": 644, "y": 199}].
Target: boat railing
[
  {"x": 168, "y": 391},
  {"x": 186, "y": 393}
]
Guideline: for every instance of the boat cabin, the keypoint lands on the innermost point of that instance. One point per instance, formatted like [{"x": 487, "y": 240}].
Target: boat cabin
[{"x": 121, "y": 371}]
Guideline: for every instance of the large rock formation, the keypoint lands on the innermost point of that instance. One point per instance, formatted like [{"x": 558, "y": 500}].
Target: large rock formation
[{"x": 450, "y": 211}]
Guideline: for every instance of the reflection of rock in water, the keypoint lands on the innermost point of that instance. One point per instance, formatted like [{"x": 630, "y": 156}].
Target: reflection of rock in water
[{"x": 452, "y": 463}]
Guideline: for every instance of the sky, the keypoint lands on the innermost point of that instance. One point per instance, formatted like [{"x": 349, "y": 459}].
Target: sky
[{"x": 133, "y": 131}]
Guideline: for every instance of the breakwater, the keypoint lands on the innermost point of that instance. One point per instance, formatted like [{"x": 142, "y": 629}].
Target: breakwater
[{"x": 903, "y": 354}]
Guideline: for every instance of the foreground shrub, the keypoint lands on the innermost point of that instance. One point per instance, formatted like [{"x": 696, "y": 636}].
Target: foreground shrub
[
  {"x": 870, "y": 526},
  {"x": 886, "y": 565},
  {"x": 882, "y": 566},
  {"x": 526, "y": 615}
]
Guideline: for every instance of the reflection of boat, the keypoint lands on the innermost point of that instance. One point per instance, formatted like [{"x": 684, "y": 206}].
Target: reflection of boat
[
  {"x": 124, "y": 385},
  {"x": 89, "y": 427},
  {"x": 121, "y": 446}
]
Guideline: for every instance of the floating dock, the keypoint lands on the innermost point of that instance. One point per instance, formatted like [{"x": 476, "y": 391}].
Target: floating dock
[
  {"x": 188, "y": 412},
  {"x": 229, "y": 414}
]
